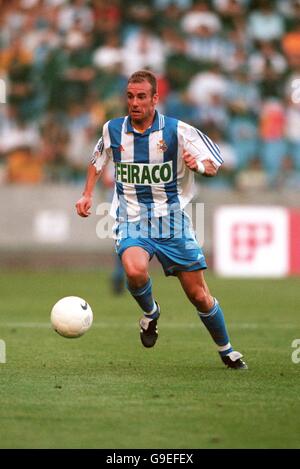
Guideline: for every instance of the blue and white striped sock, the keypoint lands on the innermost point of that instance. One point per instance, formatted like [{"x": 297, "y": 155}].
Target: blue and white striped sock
[
  {"x": 215, "y": 324},
  {"x": 153, "y": 314},
  {"x": 144, "y": 298}
]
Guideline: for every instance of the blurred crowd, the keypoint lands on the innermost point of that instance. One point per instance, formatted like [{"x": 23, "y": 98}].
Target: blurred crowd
[{"x": 229, "y": 67}]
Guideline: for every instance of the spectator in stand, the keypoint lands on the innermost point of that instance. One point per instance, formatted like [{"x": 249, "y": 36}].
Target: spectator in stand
[
  {"x": 243, "y": 135},
  {"x": 200, "y": 16},
  {"x": 236, "y": 47},
  {"x": 243, "y": 101},
  {"x": 56, "y": 51},
  {"x": 203, "y": 28},
  {"x": 205, "y": 85},
  {"x": 214, "y": 113},
  {"x": 76, "y": 12},
  {"x": 272, "y": 134},
  {"x": 237, "y": 36},
  {"x": 19, "y": 147},
  {"x": 292, "y": 131},
  {"x": 16, "y": 65},
  {"x": 268, "y": 67},
  {"x": 206, "y": 47},
  {"x": 169, "y": 20},
  {"x": 230, "y": 8},
  {"x": 241, "y": 93},
  {"x": 231, "y": 12},
  {"x": 109, "y": 54},
  {"x": 138, "y": 15},
  {"x": 54, "y": 141},
  {"x": 81, "y": 132},
  {"x": 179, "y": 67},
  {"x": 291, "y": 45},
  {"x": 79, "y": 72},
  {"x": 143, "y": 49},
  {"x": 207, "y": 91},
  {"x": 265, "y": 23},
  {"x": 107, "y": 16},
  {"x": 179, "y": 106},
  {"x": 290, "y": 10}
]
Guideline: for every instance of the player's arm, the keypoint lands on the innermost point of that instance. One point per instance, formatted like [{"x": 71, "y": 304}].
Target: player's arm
[
  {"x": 98, "y": 161},
  {"x": 199, "y": 153},
  {"x": 85, "y": 202},
  {"x": 206, "y": 167}
]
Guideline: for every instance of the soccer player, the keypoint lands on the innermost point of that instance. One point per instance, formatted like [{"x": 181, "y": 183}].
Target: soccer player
[{"x": 155, "y": 159}]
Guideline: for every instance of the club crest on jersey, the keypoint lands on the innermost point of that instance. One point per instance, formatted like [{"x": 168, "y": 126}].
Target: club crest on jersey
[
  {"x": 144, "y": 174},
  {"x": 162, "y": 146}
]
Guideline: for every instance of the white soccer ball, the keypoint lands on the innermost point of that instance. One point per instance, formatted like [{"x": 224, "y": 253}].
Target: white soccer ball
[{"x": 71, "y": 316}]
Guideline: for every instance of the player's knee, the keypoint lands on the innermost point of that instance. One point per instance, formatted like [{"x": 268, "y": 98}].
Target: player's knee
[
  {"x": 137, "y": 275},
  {"x": 201, "y": 298}
]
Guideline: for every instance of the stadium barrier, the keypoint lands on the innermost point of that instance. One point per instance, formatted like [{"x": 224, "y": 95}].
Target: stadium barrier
[{"x": 39, "y": 224}]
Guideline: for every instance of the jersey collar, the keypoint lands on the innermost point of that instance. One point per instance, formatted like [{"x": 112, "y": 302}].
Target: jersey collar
[{"x": 158, "y": 123}]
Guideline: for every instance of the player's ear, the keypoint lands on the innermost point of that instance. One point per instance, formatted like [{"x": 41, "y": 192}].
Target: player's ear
[{"x": 155, "y": 98}]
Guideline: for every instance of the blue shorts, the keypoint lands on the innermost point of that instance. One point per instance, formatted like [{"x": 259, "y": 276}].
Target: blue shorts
[{"x": 175, "y": 253}]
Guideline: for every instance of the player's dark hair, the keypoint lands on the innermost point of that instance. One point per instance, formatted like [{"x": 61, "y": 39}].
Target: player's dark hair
[{"x": 144, "y": 75}]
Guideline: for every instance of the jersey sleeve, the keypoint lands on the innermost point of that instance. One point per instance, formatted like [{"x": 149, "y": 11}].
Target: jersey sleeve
[
  {"x": 101, "y": 153},
  {"x": 198, "y": 144}
]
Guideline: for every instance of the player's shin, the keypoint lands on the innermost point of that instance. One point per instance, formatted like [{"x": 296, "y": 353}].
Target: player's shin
[
  {"x": 144, "y": 298},
  {"x": 215, "y": 324}
]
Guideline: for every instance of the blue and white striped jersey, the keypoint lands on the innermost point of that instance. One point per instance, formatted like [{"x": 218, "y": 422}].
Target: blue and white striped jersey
[{"x": 149, "y": 168}]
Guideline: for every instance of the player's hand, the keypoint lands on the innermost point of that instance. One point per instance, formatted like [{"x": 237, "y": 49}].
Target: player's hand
[
  {"x": 210, "y": 168},
  {"x": 191, "y": 162},
  {"x": 83, "y": 206}
]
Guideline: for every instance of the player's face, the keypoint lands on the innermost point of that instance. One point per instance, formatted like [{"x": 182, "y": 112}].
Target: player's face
[{"x": 141, "y": 103}]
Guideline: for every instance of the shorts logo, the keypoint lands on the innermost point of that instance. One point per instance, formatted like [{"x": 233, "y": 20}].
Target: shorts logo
[
  {"x": 162, "y": 146},
  {"x": 144, "y": 174}
]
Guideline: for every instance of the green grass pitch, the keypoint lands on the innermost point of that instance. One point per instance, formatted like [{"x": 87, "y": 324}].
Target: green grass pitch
[{"x": 105, "y": 390}]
